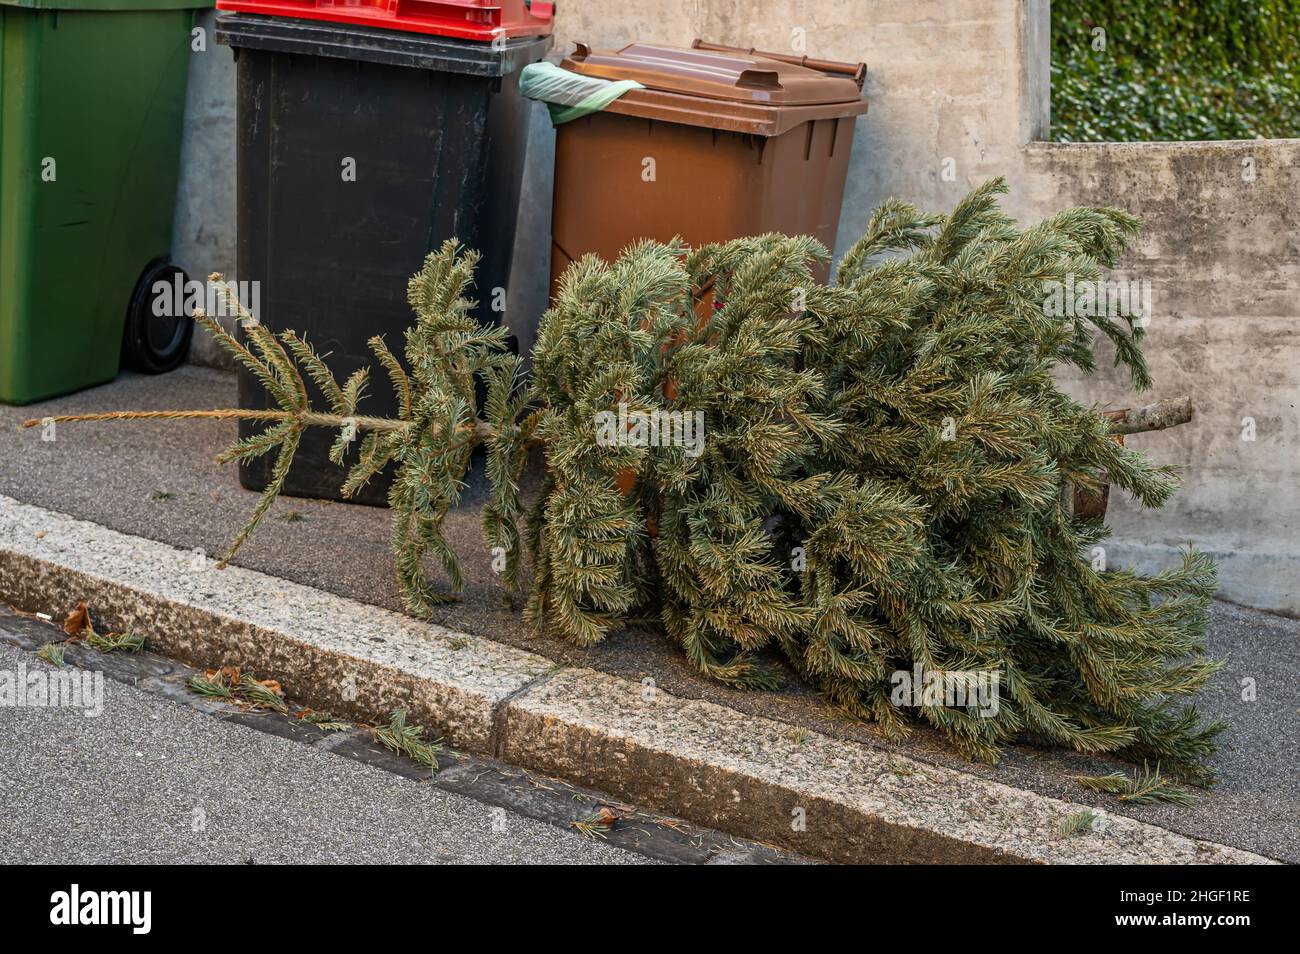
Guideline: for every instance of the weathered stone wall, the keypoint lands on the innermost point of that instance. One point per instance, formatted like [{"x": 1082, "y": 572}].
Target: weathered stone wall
[{"x": 1222, "y": 254}]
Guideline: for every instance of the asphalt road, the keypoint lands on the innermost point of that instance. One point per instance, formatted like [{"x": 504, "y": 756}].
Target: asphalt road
[{"x": 148, "y": 781}]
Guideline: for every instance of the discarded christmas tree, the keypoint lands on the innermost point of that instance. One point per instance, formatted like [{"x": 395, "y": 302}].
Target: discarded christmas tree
[{"x": 868, "y": 478}]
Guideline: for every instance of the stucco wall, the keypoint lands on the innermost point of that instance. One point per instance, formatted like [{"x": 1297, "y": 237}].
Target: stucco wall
[
  {"x": 958, "y": 93},
  {"x": 203, "y": 236}
]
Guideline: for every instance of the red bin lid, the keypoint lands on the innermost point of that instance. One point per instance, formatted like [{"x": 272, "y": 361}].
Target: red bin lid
[{"x": 483, "y": 20}]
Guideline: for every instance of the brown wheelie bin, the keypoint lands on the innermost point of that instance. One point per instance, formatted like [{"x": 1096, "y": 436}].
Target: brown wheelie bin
[{"x": 721, "y": 143}]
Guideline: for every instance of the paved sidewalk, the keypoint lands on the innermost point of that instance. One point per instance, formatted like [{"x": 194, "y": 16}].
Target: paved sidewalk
[{"x": 109, "y": 473}]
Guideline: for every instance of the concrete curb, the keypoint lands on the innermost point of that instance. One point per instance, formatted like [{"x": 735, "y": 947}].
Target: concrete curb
[
  {"x": 754, "y": 777},
  {"x": 328, "y": 651}
]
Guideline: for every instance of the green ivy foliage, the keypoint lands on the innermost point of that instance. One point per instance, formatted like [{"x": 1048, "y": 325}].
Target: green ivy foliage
[{"x": 1175, "y": 70}]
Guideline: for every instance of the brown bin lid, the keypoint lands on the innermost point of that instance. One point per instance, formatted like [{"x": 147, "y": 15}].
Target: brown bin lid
[{"x": 710, "y": 74}]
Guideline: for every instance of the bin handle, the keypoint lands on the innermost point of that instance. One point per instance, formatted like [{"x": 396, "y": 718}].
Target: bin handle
[{"x": 856, "y": 70}]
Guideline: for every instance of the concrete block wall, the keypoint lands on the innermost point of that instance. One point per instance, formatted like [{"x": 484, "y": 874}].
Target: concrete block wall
[{"x": 959, "y": 94}]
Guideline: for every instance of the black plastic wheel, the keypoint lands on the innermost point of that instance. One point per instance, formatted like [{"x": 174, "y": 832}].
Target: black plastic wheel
[{"x": 152, "y": 342}]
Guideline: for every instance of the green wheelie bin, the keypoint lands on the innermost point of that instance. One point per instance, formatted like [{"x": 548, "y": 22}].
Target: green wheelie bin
[{"x": 92, "y": 97}]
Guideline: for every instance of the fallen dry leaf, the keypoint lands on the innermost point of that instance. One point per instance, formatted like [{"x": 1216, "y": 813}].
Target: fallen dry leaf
[
  {"x": 606, "y": 817},
  {"x": 595, "y": 826},
  {"x": 78, "y": 621},
  {"x": 228, "y": 674}
]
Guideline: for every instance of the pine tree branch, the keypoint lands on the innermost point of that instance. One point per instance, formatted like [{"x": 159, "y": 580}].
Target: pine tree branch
[
  {"x": 306, "y": 418},
  {"x": 481, "y": 431}
]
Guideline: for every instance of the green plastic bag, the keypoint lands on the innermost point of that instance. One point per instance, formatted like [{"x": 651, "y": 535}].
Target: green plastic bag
[{"x": 569, "y": 95}]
